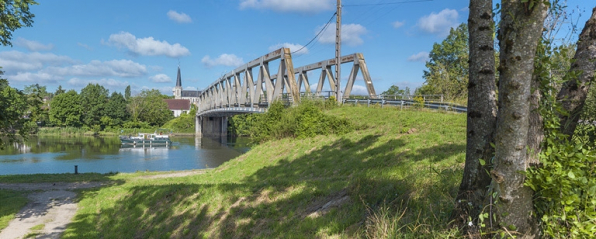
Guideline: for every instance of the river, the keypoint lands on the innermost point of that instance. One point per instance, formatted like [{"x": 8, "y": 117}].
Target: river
[{"x": 60, "y": 154}]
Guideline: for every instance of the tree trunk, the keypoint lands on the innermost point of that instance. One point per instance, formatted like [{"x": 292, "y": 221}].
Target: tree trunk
[
  {"x": 482, "y": 114},
  {"x": 536, "y": 128},
  {"x": 519, "y": 33},
  {"x": 578, "y": 79}
]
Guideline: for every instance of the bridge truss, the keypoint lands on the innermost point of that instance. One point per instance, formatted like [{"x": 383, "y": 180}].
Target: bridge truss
[{"x": 237, "y": 92}]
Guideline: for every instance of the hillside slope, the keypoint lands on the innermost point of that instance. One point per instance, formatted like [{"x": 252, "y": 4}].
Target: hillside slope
[{"x": 398, "y": 172}]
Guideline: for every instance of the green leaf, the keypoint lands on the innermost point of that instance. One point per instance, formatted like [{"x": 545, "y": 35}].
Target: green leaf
[
  {"x": 482, "y": 162},
  {"x": 571, "y": 175}
]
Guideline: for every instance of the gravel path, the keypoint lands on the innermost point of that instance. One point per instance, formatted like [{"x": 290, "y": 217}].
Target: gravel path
[{"x": 52, "y": 204}]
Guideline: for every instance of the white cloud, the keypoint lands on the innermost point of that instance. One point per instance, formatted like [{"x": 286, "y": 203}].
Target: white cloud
[
  {"x": 420, "y": 56},
  {"x": 38, "y": 77},
  {"x": 160, "y": 78},
  {"x": 147, "y": 46},
  {"x": 33, "y": 45},
  {"x": 120, "y": 68},
  {"x": 303, "y": 6},
  {"x": 85, "y": 46},
  {"x": 359, "y": 90},
  {"x": 350, "y": 34},
  {"x": 398, "y": 24},
  {"x": 16, "y": 61},
  {"x": 293, "y": 48},
  {"x": 110, "y": 84},
  {"x": 223, "y": 60},
  {"x": 179, "y": 17},
  {"x": 190, "y": 88},
  {"x": 439, "y": 23}
]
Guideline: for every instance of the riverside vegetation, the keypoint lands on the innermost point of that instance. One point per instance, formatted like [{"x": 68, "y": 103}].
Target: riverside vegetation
[{"x": 371, "y": 172}]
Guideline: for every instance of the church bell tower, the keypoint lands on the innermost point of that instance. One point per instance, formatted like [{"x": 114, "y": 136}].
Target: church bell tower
[{"x": 178, "y": 89}]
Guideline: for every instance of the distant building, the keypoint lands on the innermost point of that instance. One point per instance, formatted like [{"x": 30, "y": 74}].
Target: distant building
[
  {"x": 179, "y": 93},
  {"x": 178, "y": 106}
]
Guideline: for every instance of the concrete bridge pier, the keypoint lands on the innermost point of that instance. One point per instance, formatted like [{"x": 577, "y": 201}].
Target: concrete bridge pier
[
  {"x": 198, "y": 126},
  {"x": 212, "y": 126}
]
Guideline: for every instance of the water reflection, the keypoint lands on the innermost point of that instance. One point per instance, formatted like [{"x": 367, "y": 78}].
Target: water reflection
[{"x": 59, "y": 154}]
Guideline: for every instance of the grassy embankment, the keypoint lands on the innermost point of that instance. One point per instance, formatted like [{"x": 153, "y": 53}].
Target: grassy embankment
[{"x": 395, "y": 176}]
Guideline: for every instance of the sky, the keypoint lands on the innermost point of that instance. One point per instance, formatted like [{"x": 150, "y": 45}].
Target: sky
[{"x": 142, "y": 43}]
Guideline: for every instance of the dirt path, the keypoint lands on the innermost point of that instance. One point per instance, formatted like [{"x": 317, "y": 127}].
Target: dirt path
[{"x": 51, "y": 205}]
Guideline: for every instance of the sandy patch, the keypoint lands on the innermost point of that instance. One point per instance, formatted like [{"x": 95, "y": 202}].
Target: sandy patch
[{"x": 53, "y": 207}]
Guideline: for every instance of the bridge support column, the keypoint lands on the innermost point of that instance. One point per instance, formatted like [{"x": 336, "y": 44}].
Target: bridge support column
[
  {"x": 198, "y": 126},
  {"x": 214, "y": 126},
  {"x": 224, "y": 126}
]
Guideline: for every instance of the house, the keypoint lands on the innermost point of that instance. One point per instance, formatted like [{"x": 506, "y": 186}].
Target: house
[{"x": 178, "y": 106}]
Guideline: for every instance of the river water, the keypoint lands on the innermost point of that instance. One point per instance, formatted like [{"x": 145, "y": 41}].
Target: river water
[{"x": 60, "y": 154}]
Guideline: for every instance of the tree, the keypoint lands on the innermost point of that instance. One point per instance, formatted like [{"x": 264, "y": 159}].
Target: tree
[
  {"x": 482, "y": 116},
  {"x": 94, "y": 99},
  {"x": 447, "y": 72},
  {"x": 127, "y": 93},
  {"x": 116, "y": 109},
  {"x": 519, "y": 130},
  {"x": 66, "y": 109},
  {"x": 59, "y": 90},
  {"x": 393, "y": 90},
  {"x": 149, "y": 107},
  {"x": 575, "y": 90},
  {"x": 13, "y": 109},
  {"x": 154, "y": 109},
  {"x": 14, "y": 15}
]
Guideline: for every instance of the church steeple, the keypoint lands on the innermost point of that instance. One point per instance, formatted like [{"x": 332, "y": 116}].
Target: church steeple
[
  {"x": 178, "y": 78},
  {"x": 178, "y": 89}
]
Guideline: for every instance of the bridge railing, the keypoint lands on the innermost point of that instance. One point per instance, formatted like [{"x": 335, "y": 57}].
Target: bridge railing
[
  {"x": 238, "y": 89},
  {"x": 447, "y": 106}
]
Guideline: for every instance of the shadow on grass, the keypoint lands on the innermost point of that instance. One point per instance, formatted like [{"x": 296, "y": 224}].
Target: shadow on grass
[{"x": 288, "y": 199}]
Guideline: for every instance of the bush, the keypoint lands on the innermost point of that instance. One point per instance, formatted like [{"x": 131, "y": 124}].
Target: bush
[
  {"x": 136, "y": 125},
  {"x": 303, "y": 121}
]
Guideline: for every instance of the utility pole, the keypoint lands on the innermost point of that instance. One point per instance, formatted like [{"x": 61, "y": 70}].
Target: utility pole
[{"x": 338, "y": 94}]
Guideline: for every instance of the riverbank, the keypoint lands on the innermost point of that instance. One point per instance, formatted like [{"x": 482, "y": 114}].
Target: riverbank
[
  {"x": 396, "y": 175},
  {"x": 46, "y": 131}
]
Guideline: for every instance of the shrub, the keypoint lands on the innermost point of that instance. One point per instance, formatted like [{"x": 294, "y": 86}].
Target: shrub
[{"x": 303, "y": 121}]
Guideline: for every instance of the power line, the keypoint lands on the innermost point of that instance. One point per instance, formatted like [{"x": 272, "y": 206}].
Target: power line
[
  {"x": 318, "y": 34},
  {"x": 386, "y": 3}
]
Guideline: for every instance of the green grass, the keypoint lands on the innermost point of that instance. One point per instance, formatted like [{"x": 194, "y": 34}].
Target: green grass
[
  {"x": 47, "y": 178},
  {"x": 396, "y": 175},
  {"x": 11, "y": 203},
  {"x": 35, "y": 231}
]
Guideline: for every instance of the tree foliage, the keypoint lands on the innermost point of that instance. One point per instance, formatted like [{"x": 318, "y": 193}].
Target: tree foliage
[
  {"x": 13, "y": 112},
  {"x": 14, "y": 14},
  {"x": 150, "y": 107},
  {"x": 395, "y": 90},
  {"x": 447, "y": 68},
  {"x": 94, "y": 99},
  {"x": 116, "y": 110},
  {"x": 66, "y": 109}
]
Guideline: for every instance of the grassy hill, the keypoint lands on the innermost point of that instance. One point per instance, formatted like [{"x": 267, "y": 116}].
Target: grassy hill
[{"x": 395, "y": 176}]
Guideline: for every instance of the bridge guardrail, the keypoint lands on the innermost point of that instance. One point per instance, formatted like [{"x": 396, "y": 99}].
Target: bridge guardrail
[{"x": 410, "y": 103}]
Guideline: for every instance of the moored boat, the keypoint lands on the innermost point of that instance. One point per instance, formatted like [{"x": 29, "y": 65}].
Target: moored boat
[{"x": 146, "y": 139}]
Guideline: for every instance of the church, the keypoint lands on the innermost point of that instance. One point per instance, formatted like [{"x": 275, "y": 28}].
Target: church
[{"x": 180, "y": 94}]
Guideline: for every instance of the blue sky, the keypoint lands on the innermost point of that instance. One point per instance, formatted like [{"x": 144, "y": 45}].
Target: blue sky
[{"x": 141, "y": 43}]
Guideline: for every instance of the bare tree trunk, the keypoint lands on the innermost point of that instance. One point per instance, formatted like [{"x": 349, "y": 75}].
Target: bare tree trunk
[
  {"x": 519, "y": 33},
  {"x": 482, "y": 115},
  {"x": 578, "y": 79}
]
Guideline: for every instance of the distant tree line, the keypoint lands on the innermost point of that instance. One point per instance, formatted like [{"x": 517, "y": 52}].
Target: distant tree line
[{"x": 95, "y": 108}]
